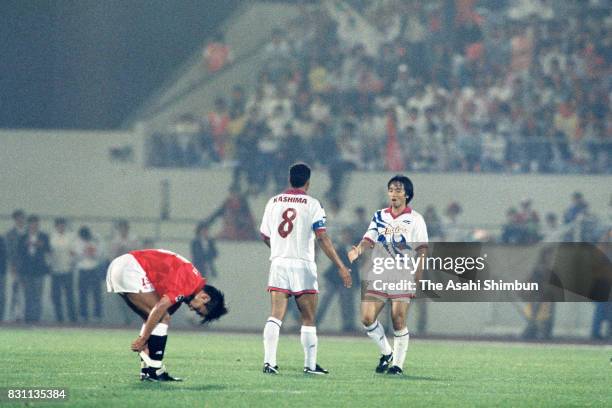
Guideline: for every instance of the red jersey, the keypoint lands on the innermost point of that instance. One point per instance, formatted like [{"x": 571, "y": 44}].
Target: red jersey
[{"x": 169, "y": 273}]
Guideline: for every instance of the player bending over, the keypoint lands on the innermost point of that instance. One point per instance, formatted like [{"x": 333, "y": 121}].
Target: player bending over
[
  {"x": 290, "y": 223},
  {"x": 154, "y": 283},
  {"x": 394, "y": 230}
]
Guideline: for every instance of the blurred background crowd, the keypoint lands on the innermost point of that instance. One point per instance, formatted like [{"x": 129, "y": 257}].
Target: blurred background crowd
[{"x": 476, "y": 86}]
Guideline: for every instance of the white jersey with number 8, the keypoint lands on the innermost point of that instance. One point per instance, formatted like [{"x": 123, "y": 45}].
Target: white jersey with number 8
[{"x": 290, "y": 221}]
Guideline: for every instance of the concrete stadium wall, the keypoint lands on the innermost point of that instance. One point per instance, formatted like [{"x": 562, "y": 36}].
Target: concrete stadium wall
[{"x": 70, "y": 173}]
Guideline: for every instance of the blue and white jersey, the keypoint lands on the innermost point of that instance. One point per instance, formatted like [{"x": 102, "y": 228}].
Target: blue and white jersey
[{"x": 401, "y": 234}]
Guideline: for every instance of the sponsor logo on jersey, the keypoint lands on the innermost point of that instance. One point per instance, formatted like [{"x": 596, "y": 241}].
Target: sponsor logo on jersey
[
  {"x": 290, "y": 199},
  {"x": 394, "y": 230}
]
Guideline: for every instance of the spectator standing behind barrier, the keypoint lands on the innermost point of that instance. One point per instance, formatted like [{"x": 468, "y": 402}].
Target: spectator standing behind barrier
[
  {"x": 551, "y": 226},
  {"x": 540, "y": 314},
  {"x": 238, "y": 224},
  {"x": 89, "y": 257},
  {"x": 578, "y": 206},
  {"x": 61, "y": 243},
  {"x": 13, "y": 236},
  {"x": 452, "y": 231},
  {"x": 335, "y": 286},
  {"x": 512, "y": 231},
  {"x": 32, "y": 253},
  {"x": 434, "y": 224},
  {"x": 600, "y": 291},
  {"x": 123, "y": 240},
  {"x": 530, "y": 221},
  {"x": 218, "y": 122},
  {"x": 3, "y": 264},
  {"x": 204, "y": 251},
  {"x": 217, "y": 54}
]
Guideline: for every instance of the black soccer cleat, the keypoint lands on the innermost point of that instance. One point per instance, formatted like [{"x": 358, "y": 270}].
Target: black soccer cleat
[
  {"x": 395, "y": 370},
  {"x": 383, "y": 363},
  {"x": 317, "y": 371},
  {"x": 153, "y": 374},
  {"x": 167, "y": 377},
  {"x": 268, "y": 369}
]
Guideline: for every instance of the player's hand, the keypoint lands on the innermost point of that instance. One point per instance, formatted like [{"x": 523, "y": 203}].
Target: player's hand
[
  {"x": 139, "y": 344},
  {"x": 353, "y": 253},
  {"x": 345, "y": 275}
]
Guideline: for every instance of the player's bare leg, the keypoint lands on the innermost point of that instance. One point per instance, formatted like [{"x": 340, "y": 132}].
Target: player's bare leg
[
  {"x": 152, "y": 367},
  {"x": 307, "y": 304},
  {"x": 399, "y": 313},
  {"x": 272, "y": 330},
  {"x": 370, "y": 309}
]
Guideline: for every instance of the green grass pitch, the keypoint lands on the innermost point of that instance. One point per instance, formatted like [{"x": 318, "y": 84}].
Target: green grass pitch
[{"x": 224, "y": 370}]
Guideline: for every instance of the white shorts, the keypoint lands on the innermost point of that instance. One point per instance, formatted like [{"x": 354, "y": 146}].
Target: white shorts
[
  {"x": 293, "y": 276},
  {"x": 125, "y": 275},
  {"x": 384, "y": 295}
]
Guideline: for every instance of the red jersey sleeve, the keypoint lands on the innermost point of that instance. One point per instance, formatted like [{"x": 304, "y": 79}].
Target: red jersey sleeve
[
  {"x": 170, "y": 274},
  {"x": 184, "y": 282}
]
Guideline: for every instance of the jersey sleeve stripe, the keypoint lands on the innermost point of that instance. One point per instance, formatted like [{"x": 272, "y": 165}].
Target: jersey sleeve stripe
[{"x": 318, "y": 225}]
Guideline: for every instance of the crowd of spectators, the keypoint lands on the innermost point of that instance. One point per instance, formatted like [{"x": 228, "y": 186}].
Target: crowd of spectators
[
  {"x": 577, "y": 224},
  {"x": 480, "y": 86},
  {"x": 75, "y": 263}
]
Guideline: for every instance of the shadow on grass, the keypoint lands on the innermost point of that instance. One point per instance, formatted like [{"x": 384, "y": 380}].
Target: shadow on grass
[
  {"x": 407, "y": 377},
  {"x": 174, "y": 386}
]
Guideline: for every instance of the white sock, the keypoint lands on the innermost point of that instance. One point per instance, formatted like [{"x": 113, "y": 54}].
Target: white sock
[
  {"x": 270, "y": 340},
  {"x": 160, "y": 330},
  {"x": 309, "y": 342},
  {"x": 400, "y": 346},
  {"x": 377, "y": 333}
]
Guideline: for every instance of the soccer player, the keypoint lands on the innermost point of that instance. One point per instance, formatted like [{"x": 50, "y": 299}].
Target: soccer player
[
  {"x": 154, "y": 283},
  {"x": 290, "y": 223},
  {"x": 394, "y": 230}
]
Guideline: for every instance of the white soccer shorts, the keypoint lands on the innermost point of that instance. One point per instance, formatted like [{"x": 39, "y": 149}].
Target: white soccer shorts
[
  {"x": 293, "y": 276},
  {"x": 373, "y": 291},
  {"x": 125, "y": 275}
]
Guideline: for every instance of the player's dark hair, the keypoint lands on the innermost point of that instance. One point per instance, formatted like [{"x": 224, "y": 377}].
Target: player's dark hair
[
  {"x": 405, "y": 181},
  {"x": 299, "y": 174},
  {"x": 216, "y": 305},
  {"x": 85, "y": 233},
  {"x": 18, "y": 213}
]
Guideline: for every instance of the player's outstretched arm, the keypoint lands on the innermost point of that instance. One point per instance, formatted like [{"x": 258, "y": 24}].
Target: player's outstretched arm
[
  {"x": 328, "y": 247},
  {"x": 358, "y": 249},
  {"x": 266, "y": 241},
  {"x": 157, "y": 313}
]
